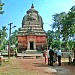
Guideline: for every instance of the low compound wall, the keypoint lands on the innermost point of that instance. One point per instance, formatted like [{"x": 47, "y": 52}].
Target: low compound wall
[{"x": 66, "y": 54}]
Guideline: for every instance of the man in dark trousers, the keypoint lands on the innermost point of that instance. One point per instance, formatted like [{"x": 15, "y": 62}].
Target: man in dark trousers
[
  {"x": 51, "y": 53},
  {"x": 59, "y": 57}
]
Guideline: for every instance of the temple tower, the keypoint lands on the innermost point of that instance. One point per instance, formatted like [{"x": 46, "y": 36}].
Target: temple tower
[{"x": 32, "y": 35}]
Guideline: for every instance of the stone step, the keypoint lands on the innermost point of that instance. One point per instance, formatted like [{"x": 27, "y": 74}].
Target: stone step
[
  {"x": 31, "y": 52},
  {"x": 29, "y": 56}
]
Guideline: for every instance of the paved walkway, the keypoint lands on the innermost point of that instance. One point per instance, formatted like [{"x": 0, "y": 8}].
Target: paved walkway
[
  {"x": 64, "y": 69},
  {"x": 58, "y": 70}
]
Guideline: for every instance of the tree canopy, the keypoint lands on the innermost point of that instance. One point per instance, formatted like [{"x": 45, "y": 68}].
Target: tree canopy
[
  {"x": 1, "y": 7},
  {"x": 63, "y": 30}
]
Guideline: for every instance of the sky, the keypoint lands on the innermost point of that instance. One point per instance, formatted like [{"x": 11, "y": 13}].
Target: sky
[{"x": 15, "y": 10}]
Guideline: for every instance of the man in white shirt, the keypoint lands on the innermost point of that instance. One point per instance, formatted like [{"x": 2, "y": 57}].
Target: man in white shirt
[{"x": 59, "y": 57}]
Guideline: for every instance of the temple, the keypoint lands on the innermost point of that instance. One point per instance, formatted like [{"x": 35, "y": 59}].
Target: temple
[{"x": 31, "y": 35}]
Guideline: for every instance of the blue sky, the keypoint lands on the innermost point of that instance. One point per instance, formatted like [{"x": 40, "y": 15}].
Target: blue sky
[{"x": 16, "y": 9}]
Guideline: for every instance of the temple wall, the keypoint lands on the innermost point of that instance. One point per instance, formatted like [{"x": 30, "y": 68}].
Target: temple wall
[
  {"x": 39, "y": 42},
  {"x": 31, "y": 38},
  {"x": 22, "y": 40},
  {"x": 41, "y": 39}
]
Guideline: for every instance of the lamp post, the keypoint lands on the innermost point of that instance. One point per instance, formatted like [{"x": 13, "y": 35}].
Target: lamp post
[{"x": 9, "y": 39}]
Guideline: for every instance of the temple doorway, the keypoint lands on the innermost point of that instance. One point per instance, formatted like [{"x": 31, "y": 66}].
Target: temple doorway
[{"x": 31, "y": 45}]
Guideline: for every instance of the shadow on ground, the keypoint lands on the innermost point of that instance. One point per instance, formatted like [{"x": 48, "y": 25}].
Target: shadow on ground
[{"x": 40, "y": 65}]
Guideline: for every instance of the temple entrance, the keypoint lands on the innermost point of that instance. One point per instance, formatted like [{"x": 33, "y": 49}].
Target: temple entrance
[{"x": 31, "y": 45}]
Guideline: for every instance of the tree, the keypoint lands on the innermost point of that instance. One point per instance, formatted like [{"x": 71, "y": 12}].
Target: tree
[
  {"x": 57, "y": 25},
  {"x": 64, "y": 25},
  {"x": 50, "y": 37},
  {"x": 3, "y": 35},
  {"x": 68, "y": 26},
  {"x": 1, "y": 7},
  {"x": 13, "y": 38},
  {"x": 72, "y": 27}
]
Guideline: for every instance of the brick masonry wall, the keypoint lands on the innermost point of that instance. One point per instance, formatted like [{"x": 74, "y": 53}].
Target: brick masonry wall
[{"x": 40, "y": 41}]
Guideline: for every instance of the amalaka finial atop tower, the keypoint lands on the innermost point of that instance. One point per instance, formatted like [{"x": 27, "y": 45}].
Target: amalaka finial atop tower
[{"x": 32, "y": 6}]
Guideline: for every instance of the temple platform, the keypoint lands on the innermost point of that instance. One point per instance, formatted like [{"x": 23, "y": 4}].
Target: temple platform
[{"x": 30, "y": 54}]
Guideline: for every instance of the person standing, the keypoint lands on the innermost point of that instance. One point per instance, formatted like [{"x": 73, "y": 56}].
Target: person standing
[
  {"x": 48, "y": 57},
  {"x": 59, "y": 57},
  {"x": 45, "y": 56},
  {"x": 51, "y": 53}
]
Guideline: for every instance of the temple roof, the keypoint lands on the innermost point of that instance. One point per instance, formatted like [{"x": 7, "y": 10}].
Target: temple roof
[
  {"x": 32, "y": 9},
  {"x": 32, "y": 23}
]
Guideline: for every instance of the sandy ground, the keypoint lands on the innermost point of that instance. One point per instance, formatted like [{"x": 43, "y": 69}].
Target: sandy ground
[{"x": 37, "y": 66}]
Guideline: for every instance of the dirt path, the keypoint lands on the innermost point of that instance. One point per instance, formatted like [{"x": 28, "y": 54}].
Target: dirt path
[
  {"x": 38, "y": 66},
  {"x": 17, "y": 66},
  {"x": 34, "y": 67}
]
